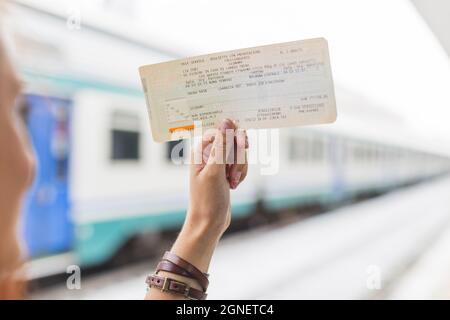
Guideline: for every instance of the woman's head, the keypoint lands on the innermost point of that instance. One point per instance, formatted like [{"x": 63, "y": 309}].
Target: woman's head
[{"x": 16, "y": 170}]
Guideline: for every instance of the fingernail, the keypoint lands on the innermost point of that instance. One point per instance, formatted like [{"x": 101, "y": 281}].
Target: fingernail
[
  {"x": 236, "y": 179},
  {"x": 225, "y": 124}
]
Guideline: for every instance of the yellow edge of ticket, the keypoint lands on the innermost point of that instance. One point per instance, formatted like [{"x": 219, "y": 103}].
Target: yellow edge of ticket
[{"x": 272, "y": 86}]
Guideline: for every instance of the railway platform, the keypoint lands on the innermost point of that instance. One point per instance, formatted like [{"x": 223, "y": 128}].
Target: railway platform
[{"x": 393, "y": 246}]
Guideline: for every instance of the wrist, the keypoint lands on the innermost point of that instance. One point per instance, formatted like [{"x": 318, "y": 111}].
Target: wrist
[
  {"x": 196, "y": 243},
  {"x": 203, "y": 226}
]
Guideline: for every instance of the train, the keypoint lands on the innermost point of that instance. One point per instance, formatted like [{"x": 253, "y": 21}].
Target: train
[{"x": 101, "y": 180}]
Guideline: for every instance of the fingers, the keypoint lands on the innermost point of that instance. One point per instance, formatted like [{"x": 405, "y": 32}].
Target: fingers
[
  {"x": 222, "y": 146},
  {"x": 224, "y": 152},
  {"x": 238, "y": 170},
  {"x": 201, "y": 152}
]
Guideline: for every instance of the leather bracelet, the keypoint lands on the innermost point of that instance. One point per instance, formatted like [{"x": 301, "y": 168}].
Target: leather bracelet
[
  {"x": 165, "y": 265},
  {"x": 174, "y": 286},
  {"x": 195, "y": 273}
]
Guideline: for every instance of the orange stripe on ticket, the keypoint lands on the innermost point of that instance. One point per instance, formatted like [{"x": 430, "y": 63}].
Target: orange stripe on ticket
[{"x": 182, "y": 128}]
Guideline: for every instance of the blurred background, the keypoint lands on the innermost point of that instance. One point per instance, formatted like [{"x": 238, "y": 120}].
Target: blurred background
[{"x": 359, "y": 209}]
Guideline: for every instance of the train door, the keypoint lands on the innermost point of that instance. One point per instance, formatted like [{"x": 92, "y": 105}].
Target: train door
[{"x": 47, "y": 226}]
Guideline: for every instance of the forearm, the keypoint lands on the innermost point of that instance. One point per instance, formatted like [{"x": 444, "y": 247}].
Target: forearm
[{"x": 195, "y": 243}]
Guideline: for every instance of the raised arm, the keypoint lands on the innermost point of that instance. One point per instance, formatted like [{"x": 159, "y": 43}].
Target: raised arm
[{"x": 216, "y": 167}]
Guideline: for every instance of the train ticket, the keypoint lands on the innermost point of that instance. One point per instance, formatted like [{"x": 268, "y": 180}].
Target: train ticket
[{"x": 272, "y": 86}]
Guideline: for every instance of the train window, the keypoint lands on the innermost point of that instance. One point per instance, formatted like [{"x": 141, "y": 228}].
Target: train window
[
  {"x": 368, "y": 155},
  {"x": 342, "y": 149},
  {"x": 125, "y": 137},
  {"x": 369, "y": 152},
  {"x": 175, "y": 150},
  {"x": 357, "y": 152},
  {"x": 298, "y": 149},
  {"x": 317, "y": 149},
  {"x": 125, "y": 145}
]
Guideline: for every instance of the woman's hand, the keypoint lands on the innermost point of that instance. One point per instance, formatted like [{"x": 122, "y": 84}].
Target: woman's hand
[{"x": 218, "y": 164}]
